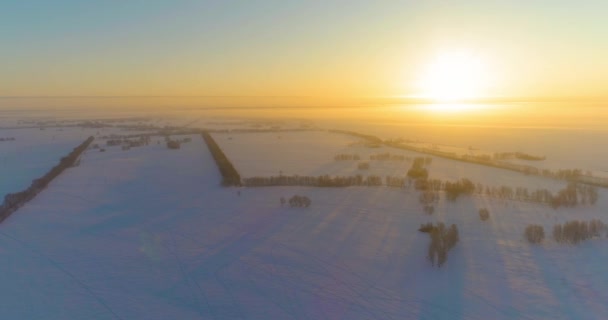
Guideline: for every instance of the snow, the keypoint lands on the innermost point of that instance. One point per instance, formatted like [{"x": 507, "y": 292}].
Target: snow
[{"x": 149, "y": 234}]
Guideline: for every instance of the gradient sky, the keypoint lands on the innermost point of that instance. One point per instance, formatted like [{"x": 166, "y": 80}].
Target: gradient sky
[{"x": 541, "y": 48}]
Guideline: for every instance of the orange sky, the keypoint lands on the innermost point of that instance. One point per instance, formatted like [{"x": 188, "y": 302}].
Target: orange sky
[{"x": 328, "y": 51}]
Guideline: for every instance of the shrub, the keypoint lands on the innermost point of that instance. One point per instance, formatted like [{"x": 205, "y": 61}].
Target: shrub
[
  {"x": 442, "y": 240},
  {"x": 300, "y": 201},
  {"x": 454, "y": 189},
  {"x": 426, "y": 227},
  {"x": 418, "y": 173},
  {"x": 484, "y": 214},
  {"x": 534, "y": 233},
  {"x": 429, "y": 209}
]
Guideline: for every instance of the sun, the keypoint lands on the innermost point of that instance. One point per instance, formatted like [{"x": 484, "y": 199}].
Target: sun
[{"x": 453, "y": 77}]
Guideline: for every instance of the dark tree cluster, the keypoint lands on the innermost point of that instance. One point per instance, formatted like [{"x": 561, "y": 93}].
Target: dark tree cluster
[
  {"x": 429, "y": 185},
  {"x": 318, "y": 181},
  {"x": 127, "y": 143},
  {"x": 442, "y": 241},
  {"x": 572, "y": 195},
  {"x": 14, "y": 201},
  {"x": 455, "y": 189},
  {"x": 230, "y": 177},
  {"x": 299, "y": 201},
  {"x": 176, "y": 143},
  {"x": 395, "y": 182},
  {"x": 417, "y": 170},
  {"x": 484, "y": 214},
  {"x": 173, "y": 144},
  {"x": 534, "y": 233},
  {"x": 7, "y": 139},
  {"x": 573, "y": 232},
  {"x": 346, "y": 157},
  {"x": 363, "y": 166}
]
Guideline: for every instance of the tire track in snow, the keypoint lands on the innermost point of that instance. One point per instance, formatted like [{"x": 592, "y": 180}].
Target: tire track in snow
[
  {"x": 479, "y": 286},
  {"x": 65, "y": 271},
  {"x": 535, "y": 299}
]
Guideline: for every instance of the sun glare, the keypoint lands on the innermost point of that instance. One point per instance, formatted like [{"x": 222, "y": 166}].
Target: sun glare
[{"x": 454, "y": 76}]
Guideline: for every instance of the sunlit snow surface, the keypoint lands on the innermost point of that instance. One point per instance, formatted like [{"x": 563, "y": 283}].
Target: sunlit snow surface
[{"x": 149, "y": 234}]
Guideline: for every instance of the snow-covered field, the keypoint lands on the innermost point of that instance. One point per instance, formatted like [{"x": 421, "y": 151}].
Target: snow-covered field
[
  {"x": 149, "y": 234},
  {"x": 312, "y": 153},
  {"x": 33, "y": 153}
]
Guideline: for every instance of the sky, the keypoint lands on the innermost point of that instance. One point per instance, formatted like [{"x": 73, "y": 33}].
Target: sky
[{"x": 326, "y": 49}]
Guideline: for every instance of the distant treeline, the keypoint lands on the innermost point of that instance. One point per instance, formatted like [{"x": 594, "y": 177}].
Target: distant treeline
[
  {"x": 346, "y": 157},
  {"x": 366, "y": 137},
  {"x": 575, "y": 231},
  {"x": 564, "y": 174},
  {"x": 257, "y": 130},
  {"x": 387, "y": 156},
  {"x": 230, "y": 177},
  {"x": 518, "y": 155},
  {"x": 570, "y": 232},
  {"x": 572, "y": 195},
  {"x": 313, "y": 181},
  {"x": 14, "y": 201}
]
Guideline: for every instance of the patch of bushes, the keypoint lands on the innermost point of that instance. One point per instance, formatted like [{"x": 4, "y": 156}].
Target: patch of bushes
[
  {"x": 534, "y": 233},
  {"x": 575, "y": 231},
  {"x": 454, "y": 189},
  {"x": 300, "y": 201},
  {"x": 363, "y": 166},
  {"x": 442, "y": 241},
  {"x": 484, "y": 214},
  {"x": 418, "y": 173}
]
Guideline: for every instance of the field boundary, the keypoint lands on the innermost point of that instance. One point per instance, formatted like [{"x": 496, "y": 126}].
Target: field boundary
[
  {"x": 14, "y": 201},
  {"x": 230, "y": 177}
]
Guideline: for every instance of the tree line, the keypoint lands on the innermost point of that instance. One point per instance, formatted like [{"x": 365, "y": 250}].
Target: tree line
[
  {"x": 576, "y": 231},
  {"x": 346, "y": 157},
  {"x": 518, "y": 155},
  {"x": 313, "y": 181},
  {"x": 573, "y": 194},
  {"x": 487, "y": 160},
  {"x": 14, "y": 201},
  {"x": 570, "y": 232},
  {"x": 230, "y": 177}
]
